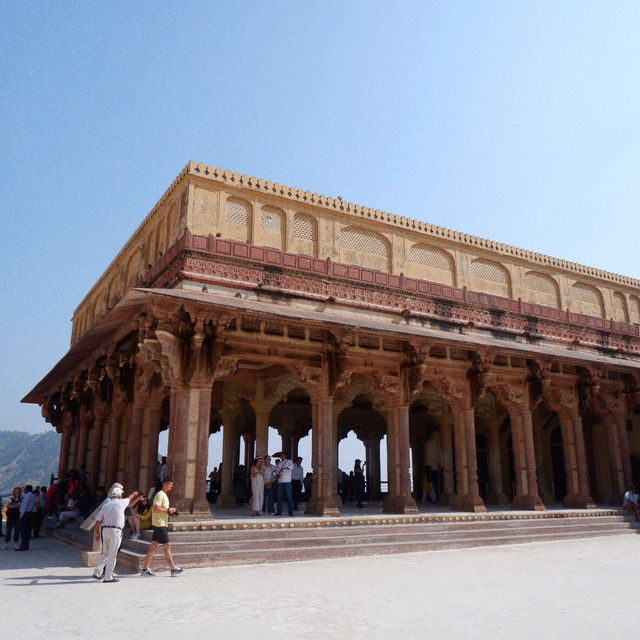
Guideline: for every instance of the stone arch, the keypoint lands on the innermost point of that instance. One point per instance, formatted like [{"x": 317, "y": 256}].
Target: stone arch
[
  {"x": 540, "y": 288},
  {"x": 364, "y": 248},
  {"x": 98, "y": 306},
  {"x": 584, "y": 298},
  {"x": 114, "y": 290},
  {"x": 489, "y": 277},
  {"x": 620, "y": 313},
  {"x": 305, "y": 234},
  {"x": 134, "y": 268},
  {"x": 431, "y": 263},
  {"x": 272, "y": 226},
  {"x": 173, "y": 224},
  {"x": 238, "y": 220}
]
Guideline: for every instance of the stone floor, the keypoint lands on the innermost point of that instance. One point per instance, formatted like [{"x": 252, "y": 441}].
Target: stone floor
[{"x": 572, "y": 589}]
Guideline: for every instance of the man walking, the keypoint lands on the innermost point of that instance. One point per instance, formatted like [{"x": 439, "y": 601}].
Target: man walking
[
  {"x": 160, "y": 523},
  {"x": 28, "y": 508},
  {"x": 109, "y": 525},
  {"x": 283, "y": 472}
]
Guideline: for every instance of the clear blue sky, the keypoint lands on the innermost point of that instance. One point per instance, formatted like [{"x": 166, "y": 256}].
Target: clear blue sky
[{"x": 517, "y": 121}]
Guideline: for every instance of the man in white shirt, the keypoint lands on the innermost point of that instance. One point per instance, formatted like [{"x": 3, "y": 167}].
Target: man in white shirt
[
  {"x": 109, "y": 525},
  {"x": 283, "y": 473},
  {"x": 297, "y": 476},
  {"x": 28, "y": 508}
]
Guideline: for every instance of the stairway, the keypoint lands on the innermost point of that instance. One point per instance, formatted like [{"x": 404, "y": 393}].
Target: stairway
[{"x": 250, "y": 541}]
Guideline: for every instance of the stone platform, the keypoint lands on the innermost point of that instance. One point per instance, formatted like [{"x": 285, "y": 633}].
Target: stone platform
[{"x": 232, "y": 538}]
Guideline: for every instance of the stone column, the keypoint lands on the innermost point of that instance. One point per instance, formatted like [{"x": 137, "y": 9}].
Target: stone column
[
  {"x": 399, "y": 498},
  {"x": 133, "y": 458},
  {"x": 190, "y": 417},
  {"x": 464, "y": 436},
  {"x": 96, "y": 446},
  {"x": 447, "y": 491},
  {"x": 498, "y": 495},
  {"x": 323, "y": 496},
  {"x": 65, "y": 443},
  {"x": 624, "y": 451},
  {"x": 229, "y": 460},
  {"x": 544, "y": 487},
  {"x": 615, "y": 462},
  {"x": 373, "y": 467},
  {"x": 113, "y": 446},
  {"x": 149, "y": 443},
  {"x": 83, "y": 433},
  {"x": 524, "y": 460},
  {"x": 262, "y": 430},
  {"x": 575, "y": 463}
]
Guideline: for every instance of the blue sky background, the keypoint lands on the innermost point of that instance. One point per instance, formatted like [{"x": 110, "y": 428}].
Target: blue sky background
[{"x": 511, "y": 120}]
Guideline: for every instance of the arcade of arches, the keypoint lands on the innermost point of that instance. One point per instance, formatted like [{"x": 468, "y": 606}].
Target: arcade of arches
[{"x": 499, "y": 427}]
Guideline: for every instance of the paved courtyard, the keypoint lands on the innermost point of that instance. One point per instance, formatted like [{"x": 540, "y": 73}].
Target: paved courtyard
[{"x": 570, "y": 589}]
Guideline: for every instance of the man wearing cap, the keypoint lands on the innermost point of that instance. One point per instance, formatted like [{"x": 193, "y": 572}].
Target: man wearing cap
[
  {"x": 109, "y": 524},
  {"x": 283, "y": 473}
]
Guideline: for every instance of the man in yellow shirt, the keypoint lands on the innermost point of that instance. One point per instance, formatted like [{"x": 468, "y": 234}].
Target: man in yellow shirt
[{"x": 160, "y": 522}]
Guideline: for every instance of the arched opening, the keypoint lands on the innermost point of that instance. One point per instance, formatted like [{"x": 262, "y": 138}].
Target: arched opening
[
  {"x": 367, "y": 426},
  {"x": 559, "y": 482}
]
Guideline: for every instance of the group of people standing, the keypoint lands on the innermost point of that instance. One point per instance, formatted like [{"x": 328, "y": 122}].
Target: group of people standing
[
  {"x": 272, "y": 484},
  {"x": 25, "y": 512}
]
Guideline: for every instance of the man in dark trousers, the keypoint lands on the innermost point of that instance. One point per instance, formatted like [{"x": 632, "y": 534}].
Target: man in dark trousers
[{"x": 28, "y": 508}]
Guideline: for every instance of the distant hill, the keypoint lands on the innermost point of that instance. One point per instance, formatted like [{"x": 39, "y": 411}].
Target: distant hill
[{"x": 27, "y": 458}]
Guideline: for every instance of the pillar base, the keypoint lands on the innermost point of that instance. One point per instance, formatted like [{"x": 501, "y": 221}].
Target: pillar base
[
  {"x": 527, "y": 503},
  {"x": 472, "y": 504},
  {"x": 579, "y": 501},
  {"x": 226, "y": 500},
  {"x": 399, "y": 504},
  {"x": 324, "y": 507},
  {"x": 193, "y": 509}
]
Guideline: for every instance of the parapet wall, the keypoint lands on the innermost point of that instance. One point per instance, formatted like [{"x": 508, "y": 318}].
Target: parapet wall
[{"x": 209, "y": 201}]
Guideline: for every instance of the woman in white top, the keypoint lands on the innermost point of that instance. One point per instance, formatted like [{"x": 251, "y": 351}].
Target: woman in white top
[
  {"x": 269, "y": 485},
  {"x": 257, "y": 486}
]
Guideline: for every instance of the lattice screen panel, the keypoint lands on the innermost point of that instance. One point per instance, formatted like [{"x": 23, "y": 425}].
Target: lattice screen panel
[
  {"x": 634, "y": 309},
  {"x": 430, "y": 257},
  {"x": 364, "y": 241},
  {"x": 305, "y": 228},
  {"x": 272, "y": 219},
  {"x": 586, "y": 299},
  {"x": 619, "y": 307},
  {"x": 484, "y": 270},
  {"x": 238, "y": 212},
  {"x": 540, "y": 282}
]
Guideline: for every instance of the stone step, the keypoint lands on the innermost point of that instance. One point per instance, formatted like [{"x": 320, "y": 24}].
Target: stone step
[
  {"x": 254, "y": 556},
  {"x": 274, "y": 539},
  {"x": 310, "y": 539}
]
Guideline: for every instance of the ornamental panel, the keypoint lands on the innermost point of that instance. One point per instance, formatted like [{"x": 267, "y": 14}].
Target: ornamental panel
[
  {"x": 431, "y": 263},
  {"x": 490, "y": 277},
  {"x": 541, "y": 289},
  {"x": 586, "y": 299}
]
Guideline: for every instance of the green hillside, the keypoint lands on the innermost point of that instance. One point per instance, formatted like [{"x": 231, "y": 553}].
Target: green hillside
[{"x": 27, "y": 458}]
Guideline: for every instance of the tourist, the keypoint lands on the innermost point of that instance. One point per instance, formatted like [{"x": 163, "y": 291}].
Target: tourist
[
  {"x": 69, "y": 513},
  {"x": 28, "y": 508},
  {"x": 308, "y": 484},
  {"x": 109, "y": 525},
  {"x": 631, "y": 500},
  {"x": 42, "y": 510},
  {"x": 359, "y": 483},
  {"x": 51, "y": 498},
  {"x": 13, "y": 517},
  {"x": 257, "y": 486},
  {"x": 160, "y": 523},
  {"x": 269, "y": 486},
  {"x": 140, "y": 517},
  {"x": 283, "y": 474},
  {"x": 297, "y": 476}
]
